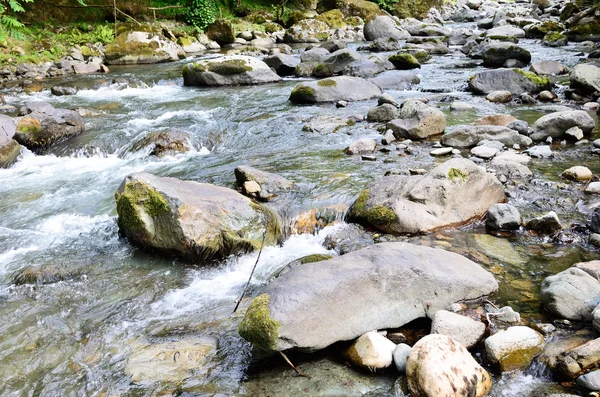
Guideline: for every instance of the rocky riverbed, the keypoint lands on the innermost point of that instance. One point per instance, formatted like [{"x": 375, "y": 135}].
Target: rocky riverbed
[{"x": 426, "y": 190}]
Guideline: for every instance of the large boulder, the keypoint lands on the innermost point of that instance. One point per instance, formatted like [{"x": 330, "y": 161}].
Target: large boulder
[
  {"x": 439, "y": 366},
  {"x": 417, "y": 120},
  {"x": 360, "y": 8},
  {"x": 466, "y": 136},
  {"x": 572, "y": 294},
  {"x": 221, "y": 31},
  {"x": 195, "y": 221},
  {"x": 451, "y": 194},
  {"x": 586, "y": 78},
  {"x": 9, "y": 148},
  {"x": 340, "y": 88},
  {"x": 381, "y": 286},
  {"x": 284, "y": 65},
  {"x": 228, "y": 70},
  {"x": 382, "y": 27},
  {"x": 556, "y": 124},
  {"x": 516, "y": 81},
  {"x": 141, "y": 48},
  {"x": 42, "y": 125},
  {"x": 340, "y": 59},
  {"x": 514, "y": 348},
  {"x": 496, "y": 54},
  {"x": 307, "y": 30},
  {"x": 395, "y": 80}
]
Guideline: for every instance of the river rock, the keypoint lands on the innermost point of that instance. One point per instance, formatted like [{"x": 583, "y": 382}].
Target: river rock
[
  {"x": 340, "y": 88},
  {"x": 514, "y": 80},
  {"x": 452, "y": 194},
  {"x": 574, "y": 133},
  {"x": 172, "y": 361},
  {"x": 317, "y": 304},
  {"x": 499, "y": 96},
  {"x": 371, "y": 351},
  {"x": 484, "y": 152},
  {"x": 572, "y": 294},
  {"x": 141, "y": 48},
  {"x": 439, "y": 366},
  {"x": 228, "y": 70},
  {"x": 9, "y": 148},
  {"x": 315, "y": 55},
  {"x": 465, "y": 136},
  {"x": 42, "y": 125},
  {"x": 592, "y": 268},
  {"x": 578, "y": 174},
  {"x": 340, "y": 59},
  {"x": 457, "y": 106},
  {"x": 165, "y": 143},
  {"x": 548, "y": 68},
  {"x": 362, "y": 146},
  {"x": 284, "y": 65},
  {"x": 395, "y": 80},
  {"x": 61, "y": 90},
  {"x": 221, "y": 31},
  {"x": 590, "y": 381},
  {"x": 400, "y": 356},
  {"x": 556, "y": 124},
  {"x": 592, "y": 188},
  {"x": 462, "y": 329},
  {"x": 540, "y": 152},
  {"x": 382, "y": 113},
  {"x": 586, "y": 78},
  {"x": 503, "y": 217},
  {"x": 269, "y": 184},
  {"x": 579, "y": 360},
  {"x": 497, "y": 119},
  {"x": 514, "y": 348},
  {"x": 496, "y": 54},
  {"x": 383, "y": 26},
  {"x": 196, "y": 221},
  {"x": 417, "y": 120},
  {"x": 545, "y": 224},
  {"x": 505, "y": 31}
]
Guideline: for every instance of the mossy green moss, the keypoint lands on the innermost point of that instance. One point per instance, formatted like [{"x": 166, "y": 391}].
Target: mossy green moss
[
  {"x": 29, "y": 126},
  {"x": 354, "y": 21},
  {"x": 302, "y": 94},
  {"x": 258, "y": 327},
  {"x": 333, "y": 18},
  {"x": 134, "y": 48},
  {"x": 415, "y": 8},
  {"x": 314, "y": 258},
  {"x": 404, "y": 61},
  {"x": 455, "y": 174},
  {"x": 540, "y": 81},
  {"x": 518, "y": 359},
  {"x": 272, "y": 27},
  {"x": 229, "y": 67},
  {"x": 378, "y": 215},
  {"x": 327, "y": 83},
  {"x": 592, "y": 28},
  {"x": 360, "y": 8},
  {"x": 138, "y": 196},
  {"x": 553, "y": 37}
]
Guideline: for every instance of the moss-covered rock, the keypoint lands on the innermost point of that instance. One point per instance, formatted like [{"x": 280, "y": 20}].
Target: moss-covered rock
[
  {"x": 415, "y": 8},
  {"x": 258, "y": 327},
  {"x": 333, "y": 18},
  {"x": 569, "y": 9},
  {"x": 272, "y": 27},
  {"x": 9, "y": 151},
  {"x": 45, "y": 274},
  {"x": 541, "y": 29},
  {"x": 302, "y": 94},
  {"x": 554, "y": 39},
  {"x": 404, "y": 61},
  {"x": 195, "y": 221},
  {"x": 540, "y": 81},
  {"x": 228, "y": 70},
  {"x": 376, "y": 215},
  {"x": 221, "y": 31},
  {"x": 358, "y": 8},
  {"x": 583, "y": 32},
  {"x": 138, "y": 48}
]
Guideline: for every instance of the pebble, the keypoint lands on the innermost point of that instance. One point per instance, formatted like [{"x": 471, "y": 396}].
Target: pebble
[
  {"x": 499, "y": 96},
  {"x": 455, "y": 151},
  {"x": 547, "y": 96},
  {"x": 341, "y": 104},
  {"x": 484, "y": 152}
]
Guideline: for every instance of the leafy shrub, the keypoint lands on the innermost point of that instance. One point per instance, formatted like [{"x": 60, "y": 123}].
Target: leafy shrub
[
  {"x": 387, "y": 5},
  {"x": 200, "y": 13}
]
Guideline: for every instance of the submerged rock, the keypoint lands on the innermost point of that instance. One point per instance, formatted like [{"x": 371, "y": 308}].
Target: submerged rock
[
  {"x": 315, "y": 305},
  {"x": 341, "y": 88},
  {"x": 228, "y": 70},
  {"x": 452, "y": 194},
  {"x": 165, "y": 143},
  {"x": 196, "y": 221},
  {"x": 440, "y": 366},
  {"x": 42, "y": 125}
]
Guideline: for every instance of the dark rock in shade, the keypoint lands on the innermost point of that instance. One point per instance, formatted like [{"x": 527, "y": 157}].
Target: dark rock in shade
[
  {"x": 317, "y": 304},
  {"x": 9, "y": 148},
  {"x": 595, "y": 222},
  {"x": 228, "y": 70},
  {"x": 516, "y": 81},
  {"x": 450, "y": 195},
  {"x": 42, "y": 125},
  {"x": 195, "y": 221},
  {"x": 496, "y": 54},
  {"x": 165, "y": 143},
  {"x": 503, "y": 217},
  {"x": 341, "y": 88},
  {"x": 284, "y": 65},
  {"x": 221, "y": 31}
]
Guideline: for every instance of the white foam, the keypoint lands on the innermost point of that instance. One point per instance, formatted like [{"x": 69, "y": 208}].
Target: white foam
[
  {"x": 70, "y": 225},
  {"x": 191, "y": 114}
]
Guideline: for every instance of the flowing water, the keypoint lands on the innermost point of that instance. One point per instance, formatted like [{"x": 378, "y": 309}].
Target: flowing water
[{"x": 73, "y": 337}]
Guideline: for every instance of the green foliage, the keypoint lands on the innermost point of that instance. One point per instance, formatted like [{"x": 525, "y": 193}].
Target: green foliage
[
  {"x": 387, "y": 5},
  {"x": 9, "y": 23},
  {"x": 200, "y": 13}
]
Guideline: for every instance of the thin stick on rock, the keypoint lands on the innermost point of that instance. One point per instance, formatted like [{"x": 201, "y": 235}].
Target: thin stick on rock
[
  {"x": 292, "y": 365},
  {"x": 262, "y": 244}
]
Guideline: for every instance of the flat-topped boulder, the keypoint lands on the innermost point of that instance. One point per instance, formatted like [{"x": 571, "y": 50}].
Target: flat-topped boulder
[
  {"x": 451, "y": 194},
  {"x": 41, "y": 125},
  {"x": 228, "y": 70},
  {"x": 516, "y": 81},
  {"x": 466, "y": 136},
  {"x": 142, "y": 48},
  {"x": 192, "y": 220},
  {"x": 382, "y": 286},
  {"x": 340, "y": 88}
]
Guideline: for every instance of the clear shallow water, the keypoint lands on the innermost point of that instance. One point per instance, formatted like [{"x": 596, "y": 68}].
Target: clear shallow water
[{"x": 74, "y": 337}]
